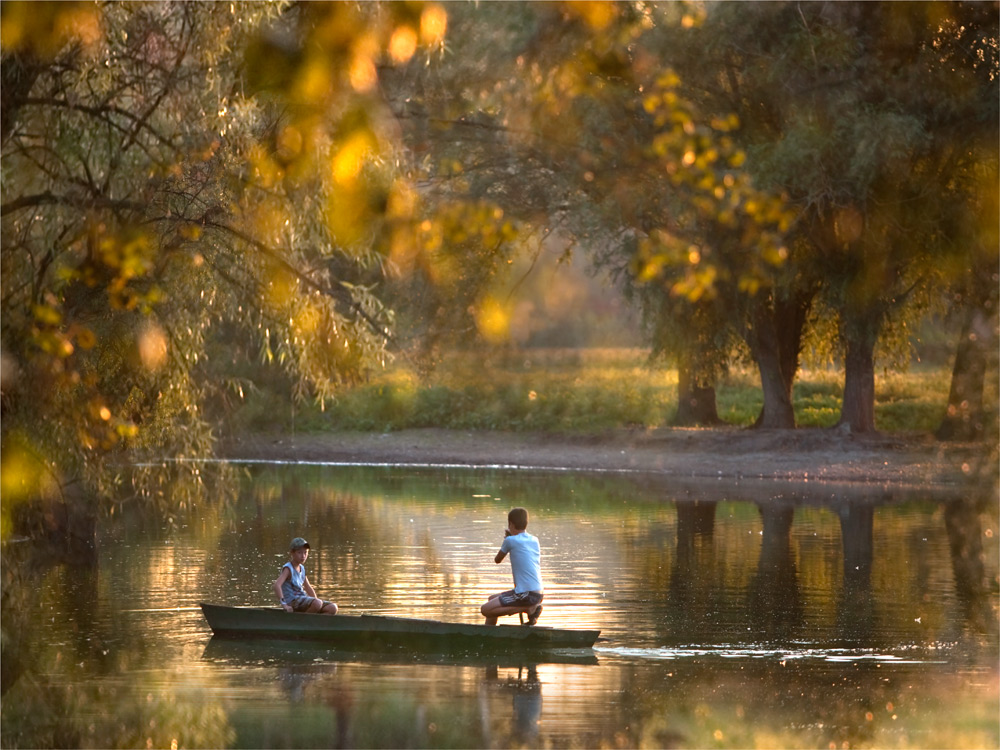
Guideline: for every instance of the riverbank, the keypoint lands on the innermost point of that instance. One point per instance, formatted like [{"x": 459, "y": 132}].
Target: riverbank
[{"x": 804, "y": 455}]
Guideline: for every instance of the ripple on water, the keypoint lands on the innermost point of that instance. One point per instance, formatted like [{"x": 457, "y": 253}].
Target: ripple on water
[{"x": 903, "y": 655}]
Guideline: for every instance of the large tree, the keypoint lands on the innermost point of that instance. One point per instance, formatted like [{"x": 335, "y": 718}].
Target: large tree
[
  {"x": 877, "y": 120},
  {"x": 168, "y": 167},
  {"x": 570, "y": 118}
]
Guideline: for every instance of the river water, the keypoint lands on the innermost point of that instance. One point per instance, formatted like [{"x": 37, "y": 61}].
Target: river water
[{"x": 731, "y": 616}]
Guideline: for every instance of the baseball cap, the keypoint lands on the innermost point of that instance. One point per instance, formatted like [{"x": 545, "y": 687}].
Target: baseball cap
[{"x": 299, "y": 543}]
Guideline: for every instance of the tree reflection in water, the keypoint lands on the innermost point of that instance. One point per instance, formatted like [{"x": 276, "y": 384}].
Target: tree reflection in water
[
  {"x": 693, "y": 559},
  {"x": 856, "y": 610},
  {"x": 774, "y": 604},
  {"x": 962, "y": 518}
]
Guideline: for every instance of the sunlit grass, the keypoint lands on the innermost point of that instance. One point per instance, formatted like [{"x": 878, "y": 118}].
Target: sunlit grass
[
  {"x": 915, "y": 400},
  {"x": 583, "y": 391}
]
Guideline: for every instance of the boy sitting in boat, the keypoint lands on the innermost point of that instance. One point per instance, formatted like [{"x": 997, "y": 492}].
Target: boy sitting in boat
[
  {"x": 525, "y": 559},
  {"x": 293, "y": 589}
]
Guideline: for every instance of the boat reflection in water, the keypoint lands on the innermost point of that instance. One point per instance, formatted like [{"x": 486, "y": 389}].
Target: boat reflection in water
[
  {"x": 304, "y": 669},
  {"x": 293, "y": 651}
]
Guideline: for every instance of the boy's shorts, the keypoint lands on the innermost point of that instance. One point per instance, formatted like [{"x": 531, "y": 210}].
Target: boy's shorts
[
  {"x": 302, "y": 603},
  {"x": 524, "y": 599}
]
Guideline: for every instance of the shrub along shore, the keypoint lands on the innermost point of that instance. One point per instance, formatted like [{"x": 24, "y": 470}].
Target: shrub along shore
[{"x": 578, "y": 392}]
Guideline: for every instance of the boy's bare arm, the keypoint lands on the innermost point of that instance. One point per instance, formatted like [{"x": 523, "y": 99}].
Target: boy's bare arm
[
  {"x": 501, "y": 554},
  {"x": 281, "y": 580},
  {"x": 309, "y": 589}
]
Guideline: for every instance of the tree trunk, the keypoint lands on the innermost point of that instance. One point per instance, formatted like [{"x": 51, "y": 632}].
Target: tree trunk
[
  {"x": 777, "y": 412},
  {"x": 695, "y": 400},
  {"x": 790, "y": 316},
  {"x": 964, "y": 418},
  {"x": 763, "y": 340},
  {"x": 857, "y": 412}
]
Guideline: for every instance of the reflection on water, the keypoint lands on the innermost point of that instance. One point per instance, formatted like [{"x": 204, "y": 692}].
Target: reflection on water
[
  {"x": 732, "y": 618},
  {"x": 781, "y": 655},
  {"x": 257, "y": 652}
]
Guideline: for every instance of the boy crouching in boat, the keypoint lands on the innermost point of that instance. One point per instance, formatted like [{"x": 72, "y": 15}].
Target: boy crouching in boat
[
  {"x": 525, "y": 559},
  {"x": 293, "y": 589}
]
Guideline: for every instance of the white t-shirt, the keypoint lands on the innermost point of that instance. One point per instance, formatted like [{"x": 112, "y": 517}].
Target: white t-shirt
[{"x": 525, "y": 561}]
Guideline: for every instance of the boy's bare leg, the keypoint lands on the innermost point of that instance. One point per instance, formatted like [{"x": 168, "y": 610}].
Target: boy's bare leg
[
  {"x": 322, "y": 607},
  {"x": 487, "y": 609},
  {"x": 493, "y": 609}
]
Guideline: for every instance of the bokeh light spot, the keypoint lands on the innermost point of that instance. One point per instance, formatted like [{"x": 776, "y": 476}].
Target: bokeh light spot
[{"x": 403, "y": 44}]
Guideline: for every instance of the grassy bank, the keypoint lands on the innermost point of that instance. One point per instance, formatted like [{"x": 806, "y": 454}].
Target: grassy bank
[{"x": 579, "y": 391}]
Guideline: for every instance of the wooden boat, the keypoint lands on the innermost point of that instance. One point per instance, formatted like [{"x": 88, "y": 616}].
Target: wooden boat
[{"x": 381, "y": 630}]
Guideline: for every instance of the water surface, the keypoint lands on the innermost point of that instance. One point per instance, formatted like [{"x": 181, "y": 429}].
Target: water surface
[{"x": 801, "y": 620}]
